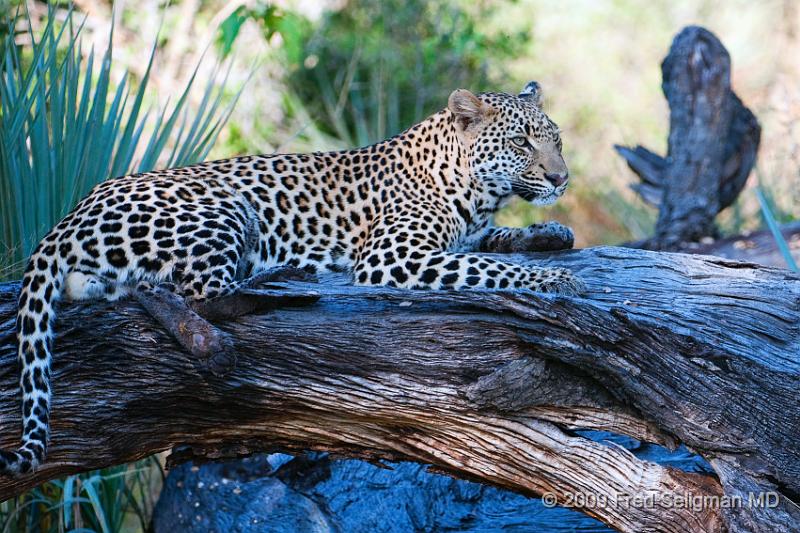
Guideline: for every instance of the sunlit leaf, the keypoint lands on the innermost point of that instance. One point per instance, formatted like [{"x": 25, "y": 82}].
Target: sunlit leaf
[{"x": 229, "y": 30}]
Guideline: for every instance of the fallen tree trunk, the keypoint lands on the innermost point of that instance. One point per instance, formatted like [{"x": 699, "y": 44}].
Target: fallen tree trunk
[
  {"x": 755, "y": 247},
  {"x": 752, "y": 247},
  {"x": 481, "y": 385}
]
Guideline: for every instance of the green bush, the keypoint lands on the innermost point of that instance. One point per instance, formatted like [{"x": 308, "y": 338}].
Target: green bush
[
  {"x": 375, "y": 67},
  {"x": 65, "y": 126},
  {"x": 116, "y": 499}
]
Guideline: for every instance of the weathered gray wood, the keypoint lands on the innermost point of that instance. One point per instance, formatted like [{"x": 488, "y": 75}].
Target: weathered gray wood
[
  {"x": 712, "y": 145},
  {"x": 751, "y": 247},
  {"x": 481, "y": 385},
  {"x": 755, "y": 247}
]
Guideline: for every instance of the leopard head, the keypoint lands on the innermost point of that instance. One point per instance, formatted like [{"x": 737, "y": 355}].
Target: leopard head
[{"x": 511, "y": 143}]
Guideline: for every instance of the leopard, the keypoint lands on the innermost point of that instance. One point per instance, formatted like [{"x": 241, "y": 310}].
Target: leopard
[{"x": 408, "y": 212}]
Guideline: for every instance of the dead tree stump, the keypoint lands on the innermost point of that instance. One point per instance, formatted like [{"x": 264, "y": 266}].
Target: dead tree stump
[{"x": 713, "y": 141}]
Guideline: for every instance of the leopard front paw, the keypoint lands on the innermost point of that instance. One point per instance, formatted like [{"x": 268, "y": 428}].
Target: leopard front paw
[
  {"x": 548, "y": 237},
  {"x": 558, "y": 281}
]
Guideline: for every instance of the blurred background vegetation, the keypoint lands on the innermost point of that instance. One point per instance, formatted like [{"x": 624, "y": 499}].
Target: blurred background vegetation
[
  {"x": 336, "y": 74},
  {"x": 323, "y": 75}
]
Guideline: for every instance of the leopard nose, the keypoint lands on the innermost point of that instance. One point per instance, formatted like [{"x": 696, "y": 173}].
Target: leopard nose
[{"x": 557, "y": 179}]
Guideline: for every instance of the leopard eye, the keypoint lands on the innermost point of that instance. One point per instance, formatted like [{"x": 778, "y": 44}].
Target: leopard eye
[{"x": 520, "y": 141}]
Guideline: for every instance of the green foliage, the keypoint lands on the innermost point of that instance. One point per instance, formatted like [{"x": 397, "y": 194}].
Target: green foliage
[
  {"x": 271, "y": 19},
  {"x": 116, "y": 499},
  {"x": 64, "y": 127},
  {"x": 376, "y": 67},
  {"x": 229, "y": 30}
]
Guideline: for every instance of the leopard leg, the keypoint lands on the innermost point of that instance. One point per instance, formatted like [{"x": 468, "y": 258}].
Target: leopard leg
[
  {"x": 445, "y": 270},
  {"x": 164, "y": 304},
  {"x": 403, "y": 254},
  {"x": 211, "y": 346},
  {"x": 205, "y": 276},
  {"x": 546, "y": 237},
  {"x": 238, "y": 300}
]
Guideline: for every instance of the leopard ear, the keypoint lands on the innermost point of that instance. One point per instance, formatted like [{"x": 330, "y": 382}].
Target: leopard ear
[
  {"x": 466, "y": 107},
  {"x": 532, "y": 92}
]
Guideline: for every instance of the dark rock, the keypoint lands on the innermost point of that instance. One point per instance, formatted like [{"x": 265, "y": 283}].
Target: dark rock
[{"x": 312, "y": 493}]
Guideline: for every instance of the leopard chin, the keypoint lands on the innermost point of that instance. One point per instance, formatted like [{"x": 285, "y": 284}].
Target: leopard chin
[
  {"x": 538, "y": 199},
  {"x": 545, "y": 200}
]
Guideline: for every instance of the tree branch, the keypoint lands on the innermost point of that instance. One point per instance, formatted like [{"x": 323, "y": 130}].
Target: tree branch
[{"x": 482, "y": 385}]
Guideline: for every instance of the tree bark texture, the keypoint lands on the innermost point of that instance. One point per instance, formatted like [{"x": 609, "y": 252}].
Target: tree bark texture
[
  {"x": 712, "y": 145},
  {"x": 485, "y": 386}
]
